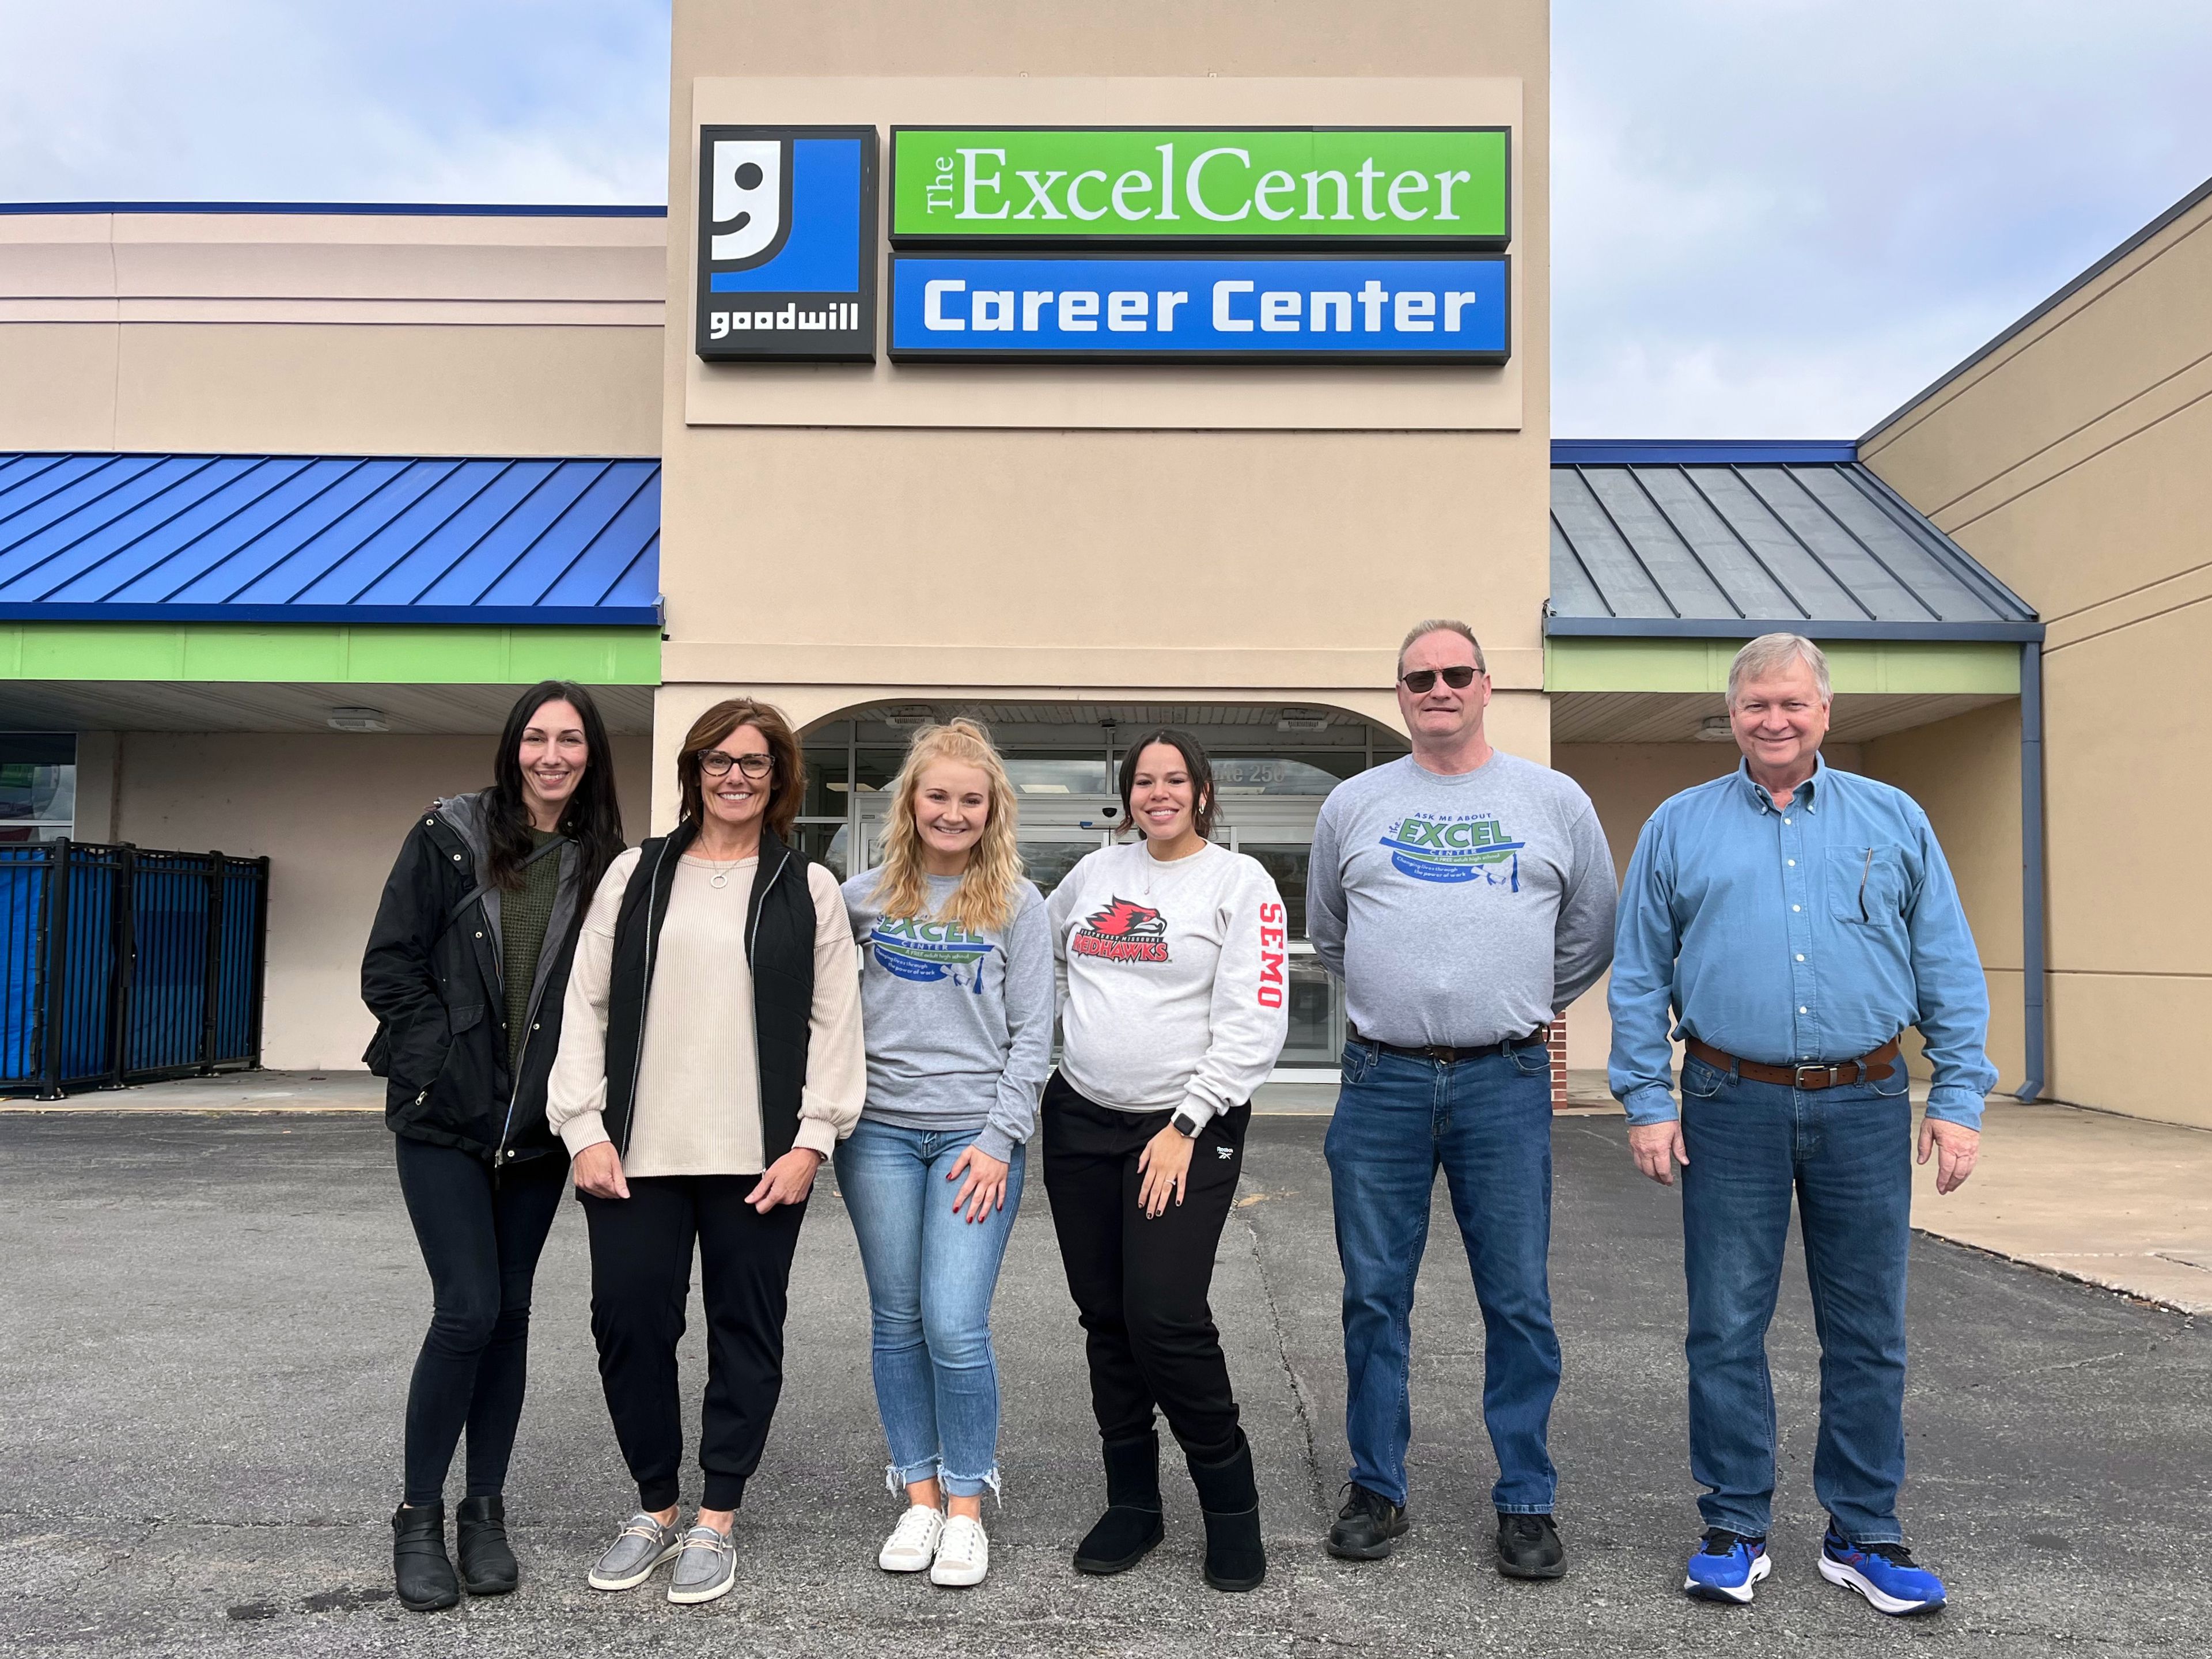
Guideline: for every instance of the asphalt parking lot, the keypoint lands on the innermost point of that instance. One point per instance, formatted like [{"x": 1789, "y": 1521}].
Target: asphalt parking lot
[{"x": 210, "y": 1322}]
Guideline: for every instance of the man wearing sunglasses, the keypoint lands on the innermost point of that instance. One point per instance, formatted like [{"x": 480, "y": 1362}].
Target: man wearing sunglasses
[{"x": 1464, "y": 896}]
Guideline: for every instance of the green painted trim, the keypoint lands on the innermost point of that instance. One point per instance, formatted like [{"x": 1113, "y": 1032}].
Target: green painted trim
[
  {"x": 1922, "y": 668},
  {"x": 326, "y": 654}
]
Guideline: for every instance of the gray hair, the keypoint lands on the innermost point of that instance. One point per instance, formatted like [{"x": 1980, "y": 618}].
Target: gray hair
[
  {"x": 1769, "y": 654},
  {"x": 1441, "y": 625}
]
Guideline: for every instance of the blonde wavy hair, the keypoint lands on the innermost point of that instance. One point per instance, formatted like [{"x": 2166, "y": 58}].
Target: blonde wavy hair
[{"x": 985, "y": 897}]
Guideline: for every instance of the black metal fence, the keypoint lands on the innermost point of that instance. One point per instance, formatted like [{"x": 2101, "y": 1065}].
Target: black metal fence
[{"x": 119, "y": 964}]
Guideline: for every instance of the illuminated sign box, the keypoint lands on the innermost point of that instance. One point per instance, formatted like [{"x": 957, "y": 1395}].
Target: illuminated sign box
[
  {"x": 787, "y": 244},
  {"x": 1432, "y": 187},
  {"x": 1354, "y": 307}
]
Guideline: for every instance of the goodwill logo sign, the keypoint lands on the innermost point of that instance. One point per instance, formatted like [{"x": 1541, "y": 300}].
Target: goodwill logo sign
[
  {"x": 787, "y": 244},
  {"x": 1357, "y": 306}
]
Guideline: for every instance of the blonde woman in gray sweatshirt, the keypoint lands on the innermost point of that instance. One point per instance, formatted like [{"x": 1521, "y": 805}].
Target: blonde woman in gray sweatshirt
[
  {"x": 956, "y": 994},
  {"x": 1175, "y": 958}
]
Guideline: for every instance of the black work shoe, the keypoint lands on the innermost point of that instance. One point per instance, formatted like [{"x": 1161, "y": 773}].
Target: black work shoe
[
  {"x": 421, "y": 1572},
  {"x": 1365, "y": 1525},
  {"x": 1529, "y": 1546},
  {"x": 1228, "y": 1496},
  {"x": 1126, "y": 1534},
  {"x": 488, "y": 1565}
]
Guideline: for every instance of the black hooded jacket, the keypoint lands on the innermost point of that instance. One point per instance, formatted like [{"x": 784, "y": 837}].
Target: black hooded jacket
[{"x": 435, "y": 980}]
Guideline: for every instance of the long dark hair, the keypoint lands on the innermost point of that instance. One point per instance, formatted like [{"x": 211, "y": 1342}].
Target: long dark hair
[
  {"x": 592, "y": 818},
  {"x": 1202, "y": 803}
]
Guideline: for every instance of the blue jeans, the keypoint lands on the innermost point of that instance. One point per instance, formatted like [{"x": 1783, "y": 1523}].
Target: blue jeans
[
  {"x": 1487, "y": 1124},
  {"x": 1846, "y": 1153},
  {"x": 931, "y": 1276}
]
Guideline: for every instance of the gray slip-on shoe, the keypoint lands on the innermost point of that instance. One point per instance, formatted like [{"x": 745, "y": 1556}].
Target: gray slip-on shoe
[
  {"x": 643, "y": 1545},
  {"x": 706, "y": 1566}
]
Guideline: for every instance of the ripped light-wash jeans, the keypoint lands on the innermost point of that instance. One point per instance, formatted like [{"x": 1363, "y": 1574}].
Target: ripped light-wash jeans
[{"x": 931, "y": 1276}]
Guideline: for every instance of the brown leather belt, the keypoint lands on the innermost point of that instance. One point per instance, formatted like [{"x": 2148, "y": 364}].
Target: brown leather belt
[{"x": 1842, "y": 1074}]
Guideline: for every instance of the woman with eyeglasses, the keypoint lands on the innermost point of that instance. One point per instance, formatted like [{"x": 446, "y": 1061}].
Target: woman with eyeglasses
[
  {"x": 711, "y": 1059},
  {"x": 465, "y": 969},
  {"x": 1177, "y": 963}
]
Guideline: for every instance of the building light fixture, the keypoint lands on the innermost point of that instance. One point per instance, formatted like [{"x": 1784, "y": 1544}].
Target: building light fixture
[
  {"x": 1302, "y": 720},
  {"x": 359, "y": 720},
  {"x": 908, "y": 714},
  {"x": 1716, "y": 728}
]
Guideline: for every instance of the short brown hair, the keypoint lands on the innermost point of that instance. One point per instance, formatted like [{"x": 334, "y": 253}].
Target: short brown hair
[
  {"x": 786, "y": 776},
  {"x": 1441, "y": 625},
  {"x": 1203, "y": 806}
]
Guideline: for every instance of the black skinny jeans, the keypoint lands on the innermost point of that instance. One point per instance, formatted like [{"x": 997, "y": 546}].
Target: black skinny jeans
[
  {"x": 641, "y": 1251},
  {"x": 481, "y": 1239},
  {"x": 1141, "y": 1283}
]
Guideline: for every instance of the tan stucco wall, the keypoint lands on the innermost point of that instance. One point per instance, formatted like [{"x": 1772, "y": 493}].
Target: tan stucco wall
[
  {"x": 330, "y": 813},
  {"x": 334, "y": 333},
  {"x": 2075, "y": 460},
  {"x": 842, "y": 564}
]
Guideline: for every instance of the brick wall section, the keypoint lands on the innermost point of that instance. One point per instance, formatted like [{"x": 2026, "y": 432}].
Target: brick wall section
[{"x": 1559, "y": 1043}]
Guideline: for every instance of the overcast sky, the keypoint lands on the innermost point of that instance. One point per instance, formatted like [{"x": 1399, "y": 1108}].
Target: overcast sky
[{"x": 1772, "y": 218}]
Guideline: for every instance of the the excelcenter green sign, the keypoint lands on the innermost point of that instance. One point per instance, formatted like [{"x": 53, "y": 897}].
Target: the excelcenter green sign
[{"x": 1434, "y": 186}]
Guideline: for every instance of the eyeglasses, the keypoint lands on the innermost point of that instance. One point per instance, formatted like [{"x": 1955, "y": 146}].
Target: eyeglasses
[
  {"x": 1421, "y": 680},
  {"x": 715, "y": 764}
]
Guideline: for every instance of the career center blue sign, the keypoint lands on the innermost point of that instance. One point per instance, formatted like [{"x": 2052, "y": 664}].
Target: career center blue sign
[{"x": 1216, "y": 308}]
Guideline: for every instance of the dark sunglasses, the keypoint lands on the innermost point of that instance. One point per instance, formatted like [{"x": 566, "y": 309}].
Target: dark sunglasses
[
  {"x": 715, "y": 764},
  {"x": 1422, "y": 680}
]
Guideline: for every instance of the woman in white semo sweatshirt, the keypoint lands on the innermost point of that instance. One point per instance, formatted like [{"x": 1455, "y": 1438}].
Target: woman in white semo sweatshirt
[{"x": 1175, "y": 963}]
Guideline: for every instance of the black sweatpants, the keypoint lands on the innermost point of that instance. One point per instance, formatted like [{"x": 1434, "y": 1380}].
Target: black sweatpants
[
  {"x": 641, "y": 1251},
  {"x": 1141, "y": 1283},
  {"x": 481, "y": 1238}
]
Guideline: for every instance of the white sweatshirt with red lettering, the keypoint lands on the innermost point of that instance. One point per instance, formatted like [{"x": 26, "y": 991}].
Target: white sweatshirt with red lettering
[{"x": 1174, "y": 978}]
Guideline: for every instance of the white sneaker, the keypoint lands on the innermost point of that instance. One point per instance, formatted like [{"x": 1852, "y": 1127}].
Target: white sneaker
[
  {"x": 913, "y": 1543},
  {"x": 963, "y": 1555}
]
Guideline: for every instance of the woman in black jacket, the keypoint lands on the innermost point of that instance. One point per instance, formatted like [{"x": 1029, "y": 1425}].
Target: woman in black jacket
[{"x": 465, "y": 970}]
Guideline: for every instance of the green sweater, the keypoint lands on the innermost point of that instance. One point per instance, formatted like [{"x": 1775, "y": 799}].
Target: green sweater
[{"x": 523, "y": 913}]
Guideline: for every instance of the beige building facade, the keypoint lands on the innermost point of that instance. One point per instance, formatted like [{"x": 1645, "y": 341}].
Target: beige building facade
[{"x": 1076, "y": 551}]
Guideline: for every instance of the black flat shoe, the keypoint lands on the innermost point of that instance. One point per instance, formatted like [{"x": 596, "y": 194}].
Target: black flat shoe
[
  {"x": 420, "y": 1572},
  {"x": 1366, "y": 1526},
  {"x": 1529, "y": 1546},
  {"x": 488, "y": 1566},
  {"x": 1131, "y": 1527}
]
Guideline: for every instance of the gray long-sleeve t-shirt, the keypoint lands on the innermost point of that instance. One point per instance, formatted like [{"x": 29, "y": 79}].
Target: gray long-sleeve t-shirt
[
  {"x": 958, "y": 1025},
  {"x": 1463, "y": 909}
]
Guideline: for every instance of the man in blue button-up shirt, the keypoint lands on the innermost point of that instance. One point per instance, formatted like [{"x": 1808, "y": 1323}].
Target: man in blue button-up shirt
[{"x": 1796, "y": 919}]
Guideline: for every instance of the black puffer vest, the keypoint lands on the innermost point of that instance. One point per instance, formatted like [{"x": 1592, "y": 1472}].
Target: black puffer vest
[{"x": 780, "y": 950}]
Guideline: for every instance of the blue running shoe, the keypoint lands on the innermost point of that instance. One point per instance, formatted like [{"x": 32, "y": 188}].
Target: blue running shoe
[
  {"x": 1727, "y": 1567},
  {"x": 1883, "y": 1573}
]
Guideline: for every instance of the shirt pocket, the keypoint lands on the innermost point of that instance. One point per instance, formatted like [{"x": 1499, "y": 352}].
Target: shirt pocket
[{"x": 1866, "y": 885}]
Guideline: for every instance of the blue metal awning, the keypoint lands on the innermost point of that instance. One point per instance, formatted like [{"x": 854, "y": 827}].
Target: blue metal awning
[
  {"x": 1729, "y": 540},
  {"x": 308, "y": 538}
]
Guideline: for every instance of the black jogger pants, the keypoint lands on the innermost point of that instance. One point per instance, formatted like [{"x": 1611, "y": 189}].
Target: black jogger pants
[
  {"x": 1141, "y": 1283},
  {"x": 641, "y": 1251},
  {"x": 481, "y": 1237}
]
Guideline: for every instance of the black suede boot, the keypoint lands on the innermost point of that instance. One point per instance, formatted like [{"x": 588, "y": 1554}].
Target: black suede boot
[
  {"x": 419, "y": 1571},
  {"x": 1130, "y": 1528},
  {"x": 1235, "y": 1558},
  {"x": 488, "y": 1565}
]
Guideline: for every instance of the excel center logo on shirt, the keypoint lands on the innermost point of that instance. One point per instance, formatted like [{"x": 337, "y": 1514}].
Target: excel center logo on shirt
[
  {"x": 787, "y": 244},
  {"x": 1473, "y": 846},
  {"x": 1122, "y": 932},
  {"x": 930, "y": 950}
]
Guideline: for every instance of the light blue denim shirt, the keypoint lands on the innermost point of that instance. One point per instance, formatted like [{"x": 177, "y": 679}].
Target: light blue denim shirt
[{"x": 1812, "y": 932}]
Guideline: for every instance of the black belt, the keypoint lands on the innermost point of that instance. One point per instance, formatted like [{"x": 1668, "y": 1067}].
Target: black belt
[{"x": 1443, "y": 1053}]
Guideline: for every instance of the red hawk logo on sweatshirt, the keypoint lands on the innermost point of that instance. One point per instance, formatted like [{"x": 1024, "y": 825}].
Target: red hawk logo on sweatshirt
[{"x": 1122, "y": 932}]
